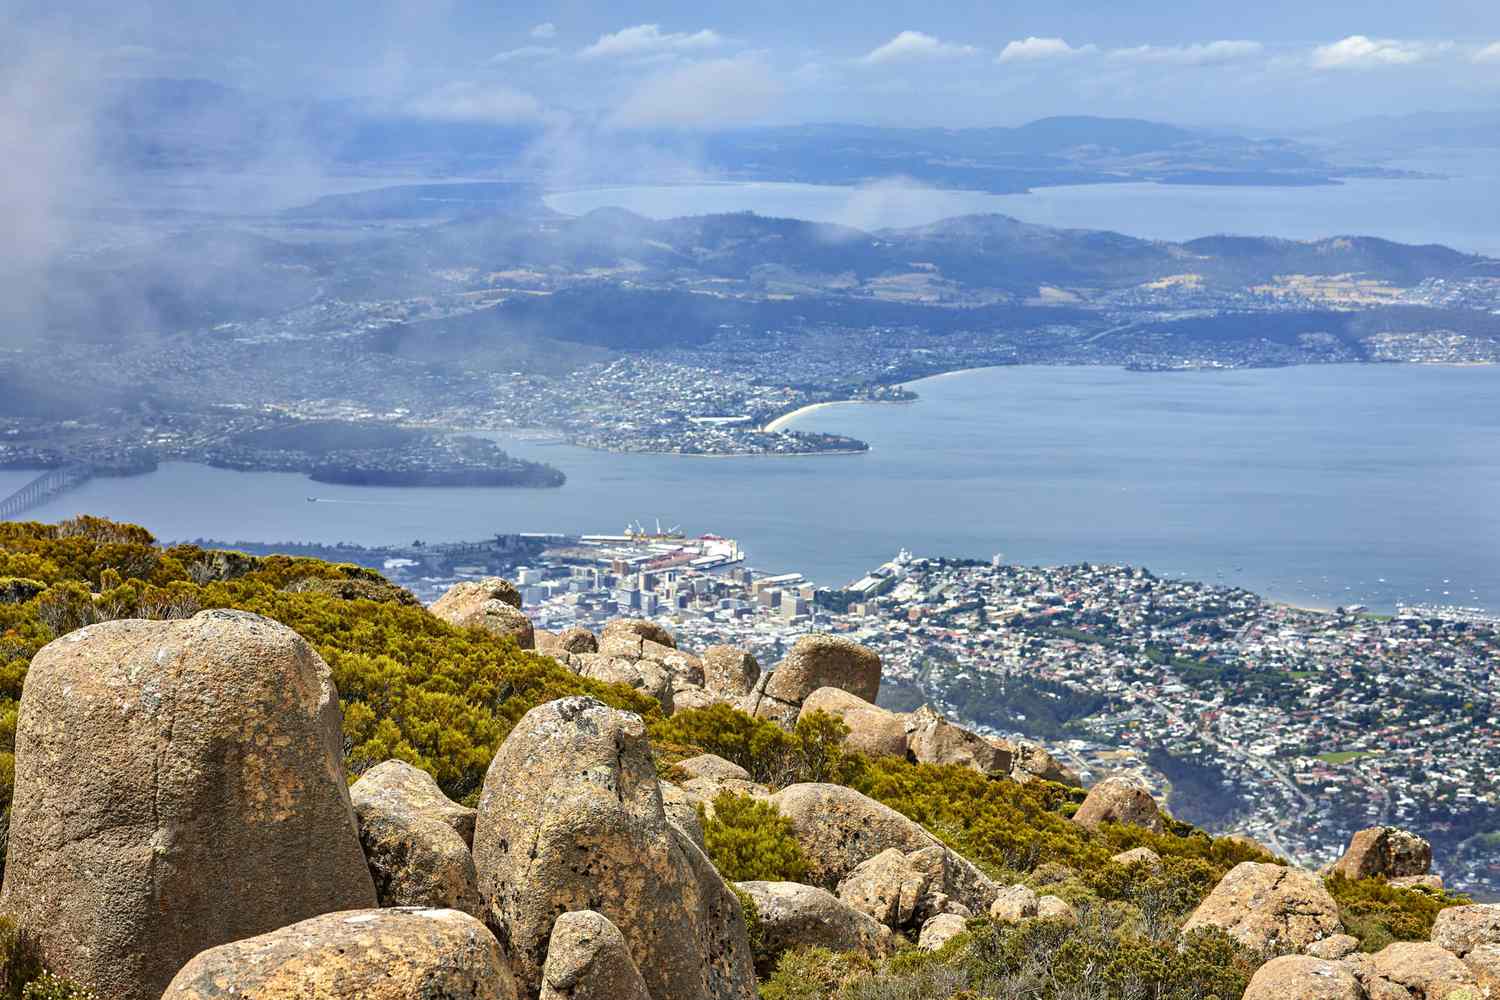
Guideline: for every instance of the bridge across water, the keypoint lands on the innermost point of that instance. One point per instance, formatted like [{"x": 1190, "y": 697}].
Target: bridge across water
[{"x": 52, "y": 483}]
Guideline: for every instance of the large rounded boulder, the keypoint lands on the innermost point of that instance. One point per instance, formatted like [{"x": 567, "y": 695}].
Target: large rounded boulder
[
  {"x": 416, "y": 839},
  {"x": 1122, "y": 800},
  {"x": 1269, "y": 908},
  {"x": 874, "y": 731},
  {"x": 838, "y": 829},
  {"x": 1301, "y": 977},
  {"x": 729, "y": 672},
  {"x": 588, "y": 959},
  {"x": 932, "y": 739},
  {"x": 793, "y": 915},
  {"x": 179, "y": 784},
  {"x": 815, "y": 661},
  {"x": 390, "y": 954},
  {"x": 571, "y": 818},
  {"x": 491, "y": 604},
  {"x": 1384, "y": 850}
]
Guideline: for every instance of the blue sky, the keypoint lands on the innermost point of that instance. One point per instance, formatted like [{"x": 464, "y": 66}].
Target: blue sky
[{"x": 1272, "y": 64}]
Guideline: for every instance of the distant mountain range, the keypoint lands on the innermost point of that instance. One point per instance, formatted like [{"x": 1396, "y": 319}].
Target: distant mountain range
[{"x": 158, "y": 124}]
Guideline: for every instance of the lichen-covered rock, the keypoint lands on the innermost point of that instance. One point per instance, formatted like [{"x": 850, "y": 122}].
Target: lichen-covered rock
[
  {"x": 729, "y": 673},
  {"x": 577, "y": 639},
  {"x": 388, "y": 954},
  {"x": 707, "y": 765},
  {"x": 1334, "y": 948},
  {"x": 939, "y": 929},
  {"x": 932, "y": 739},
  {"x": 1428, "y": 881},
  {"x": 588, "y": 959},
  {"x": 178, "y": 784},
  {"x": 491, "y": 604},
  {"x": 1143, "y": 856},
  {"x": 1269, "y": 908},
  {"x": 1055, "y": 908},
  {"x": 646, "y": 676},
  {"x": 1301, "y": 977},
  {"x": 826, "y": 661},
  {"x": 681, "y": 807},
  {"x": 1014, "y": 904},
  {"x": 416, "y": 839},
  {"x": 571, "y": 818},
  {"x": 815, "y": 661},
  {"x": 794, "y": 915},
  {"x": 1461, "y": 929},
  {"x": 686, "y": 697},
  {"x": 1425, "y": 970},
  {"x": 1384, "y": 850},
  {"x": 1031, "y": 762},
  {"x": 1119, "y": 800},
  {"x": 639, "y": 627},
  {"x": 889, "y": 889},
  {"x": 873, "y": 730},
  {"x": 838, "y": 828}
]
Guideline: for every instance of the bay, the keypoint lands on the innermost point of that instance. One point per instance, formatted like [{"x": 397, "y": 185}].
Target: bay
[
  {"x": 1456, "y": 207},
  {"x": 1316, "y": 485}
]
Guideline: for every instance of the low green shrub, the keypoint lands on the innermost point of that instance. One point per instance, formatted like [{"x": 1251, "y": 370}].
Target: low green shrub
[
  {"x": 749, "y": 841},
  {"x": 1379, "y": 913}
]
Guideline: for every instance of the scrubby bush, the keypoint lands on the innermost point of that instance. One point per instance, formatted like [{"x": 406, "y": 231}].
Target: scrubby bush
[
  {"x": 749, "y": 841},
  {"x": 1379, "y": 913},
  {"x": 812, "y": 751},
  {"x": 50, "y": 987}
]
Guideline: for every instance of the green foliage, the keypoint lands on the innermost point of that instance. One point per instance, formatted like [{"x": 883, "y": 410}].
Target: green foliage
[
  {"x": 813, "y": 751},
  {"x": 50, "y": 987},
  {"x": 1099, "y": 959},
  {"x": 1378, "y": 913},
  {"x": 20, "y": 960},
  {"x": 749, "y": 841},
  {"x": 412, "y": 686}
]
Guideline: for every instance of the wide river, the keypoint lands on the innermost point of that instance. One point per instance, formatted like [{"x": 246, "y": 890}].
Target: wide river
[{"x": 1316, "y": 485}]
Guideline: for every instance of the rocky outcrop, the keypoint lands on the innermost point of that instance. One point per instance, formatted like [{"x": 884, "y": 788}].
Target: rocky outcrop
[
  {"x": 1301, "y": 977},
  {"x": 1030, "y": 762},
  {"x": 1013, "y": 905},
  {"x": 793, "y": 915},
  {"x": 1120, "y": 800},
  {"x": 707, "y": 765},
  {"x": 491, "y": 604},
  {"x": 729, "y": 673},
  {"x": 1333, "y": 948},
  {"x": 932, "y": 739},
  {"x": 815, "y": 661},
  {"x": 891, "y": 889},
  {"x": 1269, "y": 908},
  {"x": 416, "y": 839},
  {"x": 391, "y": 954},
  {"x": 873, "y": 731},
  {"x": 1473, "y": 934},
  {"x": 681, "y": 807},
  {"x": 640, "y": 628},
  {"x": 1143, "y": 856},
  {"x": 940, "y": 929},
  {"x": 588, "y": 959},
  {"x": 1384, "y": 850},
  {"x": 1416, "y": 969},
  {"x": 577, "y": 639},
  {"x": 648, "y": 677},
  {"x": 571, "y": 818},
  {"x": 178, "y": 784},
  {"x": 1055, "y": 908},
  {"x": 838, "y": 828}
]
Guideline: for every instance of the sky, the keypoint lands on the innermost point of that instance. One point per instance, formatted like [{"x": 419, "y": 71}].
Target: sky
[{"x": 1273, "y": 64}]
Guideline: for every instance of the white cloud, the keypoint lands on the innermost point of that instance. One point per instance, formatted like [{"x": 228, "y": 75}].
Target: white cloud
[
  {"x": 478, "y": 102},
  {"x": 1033, "y": 49},
  {"x": 1363, "y": 52},
  {"x": 523, "y": 54},
  {"x": 1489, "y": 54},
  {"x": 912, "y": 45},
  {"x": 649, "y": 39},
  {"x": 715, "y": 92},
  {"x": 1201, "y": 54},
  {"x": 544, "y": 30}
]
